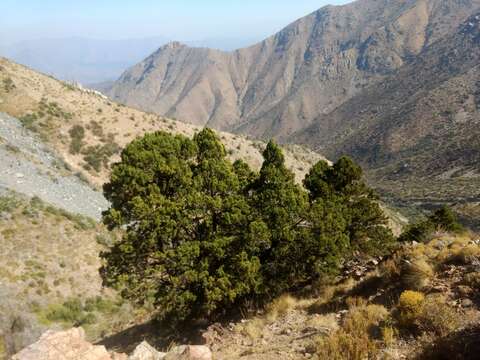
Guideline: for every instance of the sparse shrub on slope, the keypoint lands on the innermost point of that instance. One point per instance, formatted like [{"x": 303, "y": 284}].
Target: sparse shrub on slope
[
  {"x": 410, "y": 308},
  {"x": 416, "y": 274},
  {"x": 443, "y": 219},
  {"x": 77, "y": 134},
  {"x": 356, "y": 339},
  {"x": 432, "y": 314},
  {"x": 204, "y": 235}
]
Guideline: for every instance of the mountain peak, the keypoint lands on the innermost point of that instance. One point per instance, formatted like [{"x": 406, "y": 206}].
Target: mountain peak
[
  {"x": 174, "y": 45},
  {"x": 281, "y": 85}
]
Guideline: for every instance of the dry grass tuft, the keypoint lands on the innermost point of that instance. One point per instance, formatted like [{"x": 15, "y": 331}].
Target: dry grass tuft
[
  {"x": 410, "y": 307},
  {"x": 328, "y": 321},
  {"x": 356, "y": 339},
  {"x": 416, "y": 274},
  {"x": 281, "y": 306},
  {"x": 438, "y": 316},
  {"x": 253, "y": 328}
]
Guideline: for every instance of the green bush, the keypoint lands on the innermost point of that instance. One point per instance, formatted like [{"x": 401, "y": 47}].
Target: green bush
[
  {"x": 98, "y": 156},
  {"x": 77, "y": 134},
  {"x": 28, "y": 121},
  {"x": 204, "y": 235},
  {"x": 443, "y": 219},
  {"x": 8, "y": 203},
  {"x": 72, "y": 312},
  {"x": 8, "y": 85}
]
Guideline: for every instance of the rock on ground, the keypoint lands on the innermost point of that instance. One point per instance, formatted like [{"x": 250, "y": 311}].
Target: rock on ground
[
  {"x": 71, "y": 345},
  {"x": 65, "y": 345}
]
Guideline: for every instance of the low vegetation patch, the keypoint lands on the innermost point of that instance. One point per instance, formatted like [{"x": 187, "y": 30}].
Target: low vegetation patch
[
  {"x": 77, "y": 134},
  {"x": 360, "y": 336},
  {"x": 444, "y": 219},
  {"x": 98, "y": 156},
  {"x": 8, "y": 85}
]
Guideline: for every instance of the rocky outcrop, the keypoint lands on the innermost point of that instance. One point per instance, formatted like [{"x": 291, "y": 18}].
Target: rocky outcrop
[{"x": 71, "y": 345}]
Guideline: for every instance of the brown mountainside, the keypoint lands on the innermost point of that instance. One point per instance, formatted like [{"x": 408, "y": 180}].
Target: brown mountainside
[
  {"x": 421, "y": 123},
  {"x": 282, "y": 84}
]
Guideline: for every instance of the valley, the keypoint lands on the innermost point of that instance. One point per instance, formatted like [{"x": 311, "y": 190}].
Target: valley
[{"x": 313, "y": 196}]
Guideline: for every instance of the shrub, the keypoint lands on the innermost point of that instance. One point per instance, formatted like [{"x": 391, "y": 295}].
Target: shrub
[
  {"x": 472, "y": 279},
  {"x": 28, "y": 121},
  {"x": 356, "y": 339},
  {"x": 253, "y": 328},
  {"x": 77, "y": 134},
  {"x": 466, "y": 255},
  {"x": 71, "y": 312},
  {"x": 410, "y": 307},
  {"x": 438, "y": 316},
  {"x": 99, "y": 155},
  {"x": 416, "y": 274},
  {"x": 8, "y": 85},
  {"x": 8, "y": 204},
  {"x": 96, "y": 128},
  {"x": 420, "y": 232},
  {"x": 280, "y": 307},
  {"x": 444, "y": 219}
]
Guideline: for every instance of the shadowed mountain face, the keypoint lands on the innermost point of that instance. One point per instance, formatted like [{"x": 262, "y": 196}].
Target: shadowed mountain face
[
  {"x": 282, "y": 84},
  {"x": 422, "y": 121}
]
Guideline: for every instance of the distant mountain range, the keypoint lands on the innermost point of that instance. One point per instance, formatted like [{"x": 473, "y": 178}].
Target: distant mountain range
[
  {"x": 393, "y": 83},
  {"x": 92, "y": 61}
]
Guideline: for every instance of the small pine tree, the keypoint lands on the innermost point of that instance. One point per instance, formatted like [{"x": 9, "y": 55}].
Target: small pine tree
[{"x": 343, "y": 184}]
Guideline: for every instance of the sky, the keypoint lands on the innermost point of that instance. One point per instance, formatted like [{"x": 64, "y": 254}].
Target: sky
[{"x": 124, "y": 19}]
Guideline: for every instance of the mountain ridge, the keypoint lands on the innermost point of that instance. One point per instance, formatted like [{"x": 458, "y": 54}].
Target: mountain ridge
[{"x": 278, "y": 86}]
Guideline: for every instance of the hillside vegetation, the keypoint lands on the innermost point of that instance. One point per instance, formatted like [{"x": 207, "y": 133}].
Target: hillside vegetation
[
  {"x": 88, "y": 131},
  {"x": 49, "y": 261},
  {"x": 420, "y": 303},
  {"x": 204, "y": 235}
]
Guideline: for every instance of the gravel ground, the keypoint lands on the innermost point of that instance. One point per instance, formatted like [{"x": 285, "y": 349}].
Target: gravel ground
[{"x": 28, "y": 167}]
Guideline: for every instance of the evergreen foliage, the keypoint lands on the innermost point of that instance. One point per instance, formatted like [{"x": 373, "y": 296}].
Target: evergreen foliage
[
  {"x": 443, "y": 219},
  {"x": 203, "y": 234}
]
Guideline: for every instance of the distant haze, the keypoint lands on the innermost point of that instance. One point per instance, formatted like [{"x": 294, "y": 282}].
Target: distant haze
[
  {"x": 60, "y": 37},
  {"x": 91, "y": 61}
]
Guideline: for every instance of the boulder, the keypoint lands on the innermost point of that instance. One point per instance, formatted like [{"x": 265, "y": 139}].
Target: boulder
[
  {"x": 65, "y": 345},
  {"x": 146, "y": 352},
  {"x": 189, "y": 352},
  {"x": 71, "y": 345}
]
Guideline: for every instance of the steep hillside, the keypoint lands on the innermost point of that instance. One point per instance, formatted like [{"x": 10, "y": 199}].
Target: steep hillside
[
  {"x": 30, "y": 168},
  {"x": 87, "y": 130},
  {"x": 422, "y": 123},
  {"x": 283, "y": 83},
  {"x": 49, "y": 278}
]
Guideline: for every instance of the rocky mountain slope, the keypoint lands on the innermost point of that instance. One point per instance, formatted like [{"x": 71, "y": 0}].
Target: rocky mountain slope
[
  {"x": 422, "y": 123},
  {"x": 309, "y": 68},
  {"x": 49, "y": 279},
  {"x": 30, "y": 168},
  {"x": 86, "y": 130}
]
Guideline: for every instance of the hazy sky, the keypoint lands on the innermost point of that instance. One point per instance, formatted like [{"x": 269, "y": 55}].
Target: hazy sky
[{"x": 175, "y": 19}]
